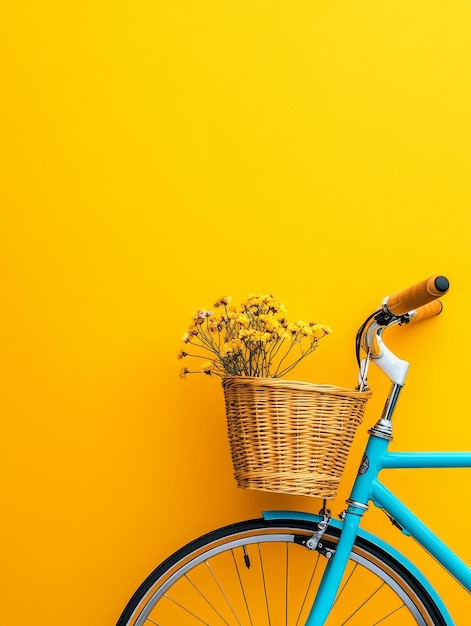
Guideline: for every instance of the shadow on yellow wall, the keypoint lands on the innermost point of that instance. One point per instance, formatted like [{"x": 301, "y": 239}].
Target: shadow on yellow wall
[{"x": 158, "y": 155}]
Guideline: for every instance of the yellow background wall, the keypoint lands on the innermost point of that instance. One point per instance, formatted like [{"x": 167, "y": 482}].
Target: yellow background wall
[{"x": 157, "y": 155}]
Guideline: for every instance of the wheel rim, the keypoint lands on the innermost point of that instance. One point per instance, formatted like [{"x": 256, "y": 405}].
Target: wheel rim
[{"x": 215, "y": 586}]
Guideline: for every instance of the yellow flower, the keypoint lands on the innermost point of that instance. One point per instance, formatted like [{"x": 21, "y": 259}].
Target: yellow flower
[
  {"x": 183, "y": 372},
  {"x": 293, "y": 328},
  {"x": 269, "y": 322},
  {"x": 201, "y": 316},
  {"x": 243, "y": 320},
  {"x": 207, "y": 367},
  {"x": 307, "y": 331},
  {"x": 224, "y": 301},
  {"x": 261, "y": 336},
  {"x": 283, "y": 333},
  {"x": 232, "y": 345},
  {"x": 254, "y": 338},
  {"x": 280, "y": 317},
  {"x": 320, "y": 329},
  {"x": 232, "y": 313}
]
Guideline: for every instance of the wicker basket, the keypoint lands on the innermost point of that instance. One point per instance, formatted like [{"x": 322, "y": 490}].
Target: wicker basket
[{"x": 289, "y": 436}]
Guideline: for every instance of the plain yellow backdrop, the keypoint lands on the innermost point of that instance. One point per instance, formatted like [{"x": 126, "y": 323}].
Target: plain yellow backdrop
[{"x": 158, "y": 155}]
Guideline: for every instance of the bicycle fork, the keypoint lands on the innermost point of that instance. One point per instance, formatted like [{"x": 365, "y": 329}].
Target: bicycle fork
[
  {"x": 335, "y": 568},
  {"x": 357, "y": 505}
]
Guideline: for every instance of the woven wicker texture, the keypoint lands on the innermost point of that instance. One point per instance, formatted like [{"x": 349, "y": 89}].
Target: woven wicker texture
[{"x": 289, "y": 436}]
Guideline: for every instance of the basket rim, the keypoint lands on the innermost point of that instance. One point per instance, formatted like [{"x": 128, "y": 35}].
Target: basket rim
[{"x": 284, "y": 383}]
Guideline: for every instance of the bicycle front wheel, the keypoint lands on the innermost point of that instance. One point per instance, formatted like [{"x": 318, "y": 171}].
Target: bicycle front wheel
[{"x": 258, "y": 573}]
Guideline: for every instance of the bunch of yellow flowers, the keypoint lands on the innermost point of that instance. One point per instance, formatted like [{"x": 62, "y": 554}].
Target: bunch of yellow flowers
[{"x": 254, "y": 338}]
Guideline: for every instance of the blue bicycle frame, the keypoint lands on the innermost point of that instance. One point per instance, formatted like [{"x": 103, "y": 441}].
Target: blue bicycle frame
[{"x": 368, "y": 488}]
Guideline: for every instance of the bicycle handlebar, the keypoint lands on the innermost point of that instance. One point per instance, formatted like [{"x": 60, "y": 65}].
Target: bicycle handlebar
[
  {"x": 427, "y": 310},
  {"x": 413, "y": 304},
  {"x": 417, "y": 296}
]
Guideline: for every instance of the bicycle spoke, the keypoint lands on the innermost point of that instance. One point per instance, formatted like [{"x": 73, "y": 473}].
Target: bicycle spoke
[
  {"x": 286, "y": 582},
  {"x": 206, "y": 600},
  {"x": 342, "y": 589},
  {"x": 264, "y": 584},
  {"x": 186, "y": 610},
  {"x": 308, "y": 588},
  {"x": 403, "y": 606},
  {"x": 364, "y": 603},
  {"x": 241, "y": 584},
  {"x": 224, "y": 594}
]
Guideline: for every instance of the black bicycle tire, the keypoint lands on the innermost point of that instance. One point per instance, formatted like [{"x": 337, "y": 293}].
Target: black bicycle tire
[{"x": 361, "y": 544}]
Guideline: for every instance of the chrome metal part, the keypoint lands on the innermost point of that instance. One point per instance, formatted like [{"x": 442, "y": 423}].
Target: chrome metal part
[
  {"x": 382, "y": 429},
  {"x": 391, "y": 402},
  {"x": 357, "y": 505},
  {"x": 384, "y": 305},
  {"x": 313, "y": 542},
  {"x": 363, "y": 374},
  {"x": 326, "y": 550}
]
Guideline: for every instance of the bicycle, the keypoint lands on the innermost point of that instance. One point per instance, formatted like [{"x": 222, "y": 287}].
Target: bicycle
[{"x": 297, "y": 568}]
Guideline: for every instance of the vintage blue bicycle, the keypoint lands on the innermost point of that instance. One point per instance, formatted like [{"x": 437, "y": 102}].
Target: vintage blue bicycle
[{"x": 295, "y": 568}]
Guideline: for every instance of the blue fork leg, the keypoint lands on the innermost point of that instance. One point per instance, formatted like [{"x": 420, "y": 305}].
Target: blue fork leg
[
  {"x": 357, "y": 505},
  {"x": 335, "y": 569}
]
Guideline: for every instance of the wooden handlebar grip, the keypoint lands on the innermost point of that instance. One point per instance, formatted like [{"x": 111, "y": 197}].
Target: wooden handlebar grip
[
  {"x": 428, "y": 310},
  {"x": 416, "y": 296}
]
